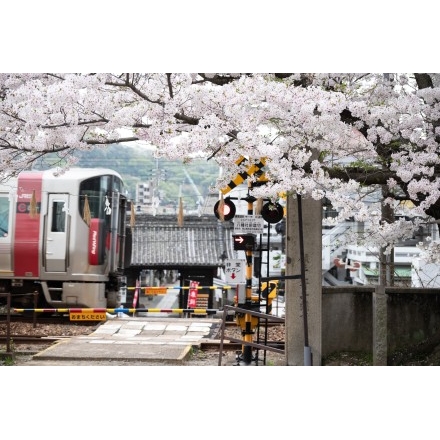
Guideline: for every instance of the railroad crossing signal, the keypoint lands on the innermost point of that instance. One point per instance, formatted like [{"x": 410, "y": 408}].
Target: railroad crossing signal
[
  {"x": 241, "y": 177},
  {"x": 244, "y": 242},
  {"x": 272, "y": 212},
  {"x": 228, "y": 209}
]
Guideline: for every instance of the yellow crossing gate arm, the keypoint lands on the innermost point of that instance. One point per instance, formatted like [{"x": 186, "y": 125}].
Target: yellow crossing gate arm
[{"x": 241, "y": 177}]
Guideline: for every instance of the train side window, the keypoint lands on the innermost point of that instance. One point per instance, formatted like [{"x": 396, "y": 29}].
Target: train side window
[
  {"x": 4, "y": 216},
  {"x": 58, "y": 217}
]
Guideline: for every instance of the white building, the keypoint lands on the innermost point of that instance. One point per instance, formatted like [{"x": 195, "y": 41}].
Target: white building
[{"x": 363, "y": 261}]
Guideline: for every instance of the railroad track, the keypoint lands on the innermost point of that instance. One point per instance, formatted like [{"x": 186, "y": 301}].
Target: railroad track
[
  {"x": 227, "y": 345},
  {"x": 42, "y": 319},
  {"x": 49, "y": 338},
  {"x": 205, "y": 345},
  {"x": 39, "y": 340},
  {"x": 64, "y": 318},
  {"x": 31, "y": 340}
]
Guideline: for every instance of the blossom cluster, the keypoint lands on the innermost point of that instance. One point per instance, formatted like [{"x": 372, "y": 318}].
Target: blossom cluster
[{"x": 339, "y": 136}]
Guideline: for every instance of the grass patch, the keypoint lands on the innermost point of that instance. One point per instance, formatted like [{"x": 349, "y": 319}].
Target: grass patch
[{"x": 348, "y": 358}]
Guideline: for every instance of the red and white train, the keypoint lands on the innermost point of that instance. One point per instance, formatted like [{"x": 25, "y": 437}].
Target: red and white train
[{"x": 65, "y": 237}]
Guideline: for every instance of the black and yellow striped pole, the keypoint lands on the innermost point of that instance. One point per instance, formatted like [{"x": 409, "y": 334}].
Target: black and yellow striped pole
[
  {"x": 269, "y": 293},
  {"x": 250, "y": 322}
]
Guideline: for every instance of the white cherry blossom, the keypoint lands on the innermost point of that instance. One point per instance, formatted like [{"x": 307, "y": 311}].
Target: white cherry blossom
[{"x": 346, "y": 137}]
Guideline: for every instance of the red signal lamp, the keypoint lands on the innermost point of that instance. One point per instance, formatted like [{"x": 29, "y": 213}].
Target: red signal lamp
[{"x": 228, "y": 209}]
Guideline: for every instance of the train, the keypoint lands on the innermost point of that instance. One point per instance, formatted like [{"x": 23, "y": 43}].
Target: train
[{"x": 65, "y": 238}]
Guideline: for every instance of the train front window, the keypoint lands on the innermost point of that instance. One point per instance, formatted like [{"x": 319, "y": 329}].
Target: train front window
[{"x": 95, "y": 196}]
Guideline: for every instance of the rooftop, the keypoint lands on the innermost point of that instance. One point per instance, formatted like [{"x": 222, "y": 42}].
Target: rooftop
[{"x": 200, "y": 241}]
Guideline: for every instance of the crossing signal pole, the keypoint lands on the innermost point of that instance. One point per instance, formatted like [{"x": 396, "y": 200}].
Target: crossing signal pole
[
  {"x": 249, "y": 324},
  {"x": 224, "y": 209}
]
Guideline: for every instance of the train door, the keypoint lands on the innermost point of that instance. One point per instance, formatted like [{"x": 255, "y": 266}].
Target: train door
[{"x": 56, "y": 233}]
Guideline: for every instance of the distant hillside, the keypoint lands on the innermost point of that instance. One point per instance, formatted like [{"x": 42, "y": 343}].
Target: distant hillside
[{"x": 137, "y": 165}]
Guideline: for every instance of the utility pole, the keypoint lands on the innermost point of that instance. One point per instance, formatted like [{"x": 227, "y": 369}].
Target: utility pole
[{"x": 303, "y": 294}]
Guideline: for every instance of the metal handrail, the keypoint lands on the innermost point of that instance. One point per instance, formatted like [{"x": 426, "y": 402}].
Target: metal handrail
[{"x": 247, "y": 343}]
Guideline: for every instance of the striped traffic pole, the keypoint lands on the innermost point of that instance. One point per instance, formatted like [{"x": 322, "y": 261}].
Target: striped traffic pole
[
  {"x": 161, "y": 288},
  {"x": 136, "y": 294},
  {"x": 117, "y": 310}
]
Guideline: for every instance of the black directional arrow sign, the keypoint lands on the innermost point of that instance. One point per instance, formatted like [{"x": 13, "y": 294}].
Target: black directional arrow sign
[{"x": 244, "y": 242}]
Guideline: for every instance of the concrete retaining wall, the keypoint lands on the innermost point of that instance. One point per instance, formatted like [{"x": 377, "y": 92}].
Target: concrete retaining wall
[{"x": 412, "y": 319}]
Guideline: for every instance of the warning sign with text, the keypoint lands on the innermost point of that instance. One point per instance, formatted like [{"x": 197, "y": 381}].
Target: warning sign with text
[
  {"x": 80, "y": 316},
  {"x": 249, "y": 224},
  {"x": 235, "y": 271},
  {"x": 192, "y": 294}
]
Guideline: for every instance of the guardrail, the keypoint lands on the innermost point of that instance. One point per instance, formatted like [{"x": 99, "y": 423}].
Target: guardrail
[
  {"x": 250, "y": 312},
  {"x": 161, "y": 290}
]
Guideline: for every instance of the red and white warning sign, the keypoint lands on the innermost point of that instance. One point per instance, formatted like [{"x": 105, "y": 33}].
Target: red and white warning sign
[{"x": 192, "y": 294}]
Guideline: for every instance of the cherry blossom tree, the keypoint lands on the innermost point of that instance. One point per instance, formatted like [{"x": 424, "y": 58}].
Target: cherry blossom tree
[{"x": 354, "y": 140}]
